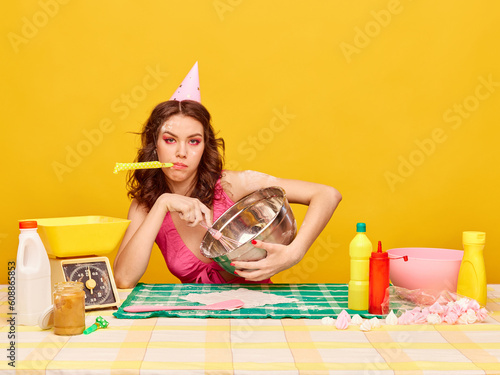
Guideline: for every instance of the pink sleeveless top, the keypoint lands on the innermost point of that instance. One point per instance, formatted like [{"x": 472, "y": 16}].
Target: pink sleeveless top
[{"x": 181, "y": 262}]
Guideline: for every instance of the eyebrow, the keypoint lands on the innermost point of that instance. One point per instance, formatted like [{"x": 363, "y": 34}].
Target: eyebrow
[{"x": 189, "y": 136}]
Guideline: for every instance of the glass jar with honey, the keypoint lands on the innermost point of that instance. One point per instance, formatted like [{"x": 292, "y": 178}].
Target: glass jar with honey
[{"x": 69, "y": 308}]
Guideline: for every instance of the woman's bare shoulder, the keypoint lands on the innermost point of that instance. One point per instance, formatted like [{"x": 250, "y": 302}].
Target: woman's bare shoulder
[
  {"x": 238, "y": 184},
  {"x": 137, "y": 209}
]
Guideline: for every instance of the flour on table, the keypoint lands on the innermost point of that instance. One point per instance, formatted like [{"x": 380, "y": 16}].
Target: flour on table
[{"x": 251, "y": 298}]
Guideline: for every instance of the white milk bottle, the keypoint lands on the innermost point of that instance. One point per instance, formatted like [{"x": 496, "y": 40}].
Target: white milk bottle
[{"x": 33, "y": 285}]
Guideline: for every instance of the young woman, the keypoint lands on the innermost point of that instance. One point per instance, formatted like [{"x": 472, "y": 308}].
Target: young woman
[{"x": 169, "y": 204}]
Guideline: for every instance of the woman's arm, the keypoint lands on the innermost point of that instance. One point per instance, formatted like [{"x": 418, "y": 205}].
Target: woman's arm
[
  {"x": 322, "y": 201},
  {"x": 135, "y": 250}
]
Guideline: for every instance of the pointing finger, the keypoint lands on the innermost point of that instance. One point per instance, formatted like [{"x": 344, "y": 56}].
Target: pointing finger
[{"x": 264, "y": 245}]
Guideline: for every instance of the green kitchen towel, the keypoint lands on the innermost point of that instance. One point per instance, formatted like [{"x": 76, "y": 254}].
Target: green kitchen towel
[{"x": 315, "y": 301}]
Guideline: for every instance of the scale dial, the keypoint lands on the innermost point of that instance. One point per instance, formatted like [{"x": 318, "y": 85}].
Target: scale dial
[{"x": 98, "y": 283}]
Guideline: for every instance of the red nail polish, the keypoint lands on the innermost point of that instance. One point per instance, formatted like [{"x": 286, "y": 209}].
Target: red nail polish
[
  {"x": 254, "y": 242},
  {"x": 236, "y": 273},
  {"x": 232, "y": 264}
]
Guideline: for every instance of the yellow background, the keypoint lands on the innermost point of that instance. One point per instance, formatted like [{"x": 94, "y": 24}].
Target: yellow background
[{"x": 388, "y": 101}]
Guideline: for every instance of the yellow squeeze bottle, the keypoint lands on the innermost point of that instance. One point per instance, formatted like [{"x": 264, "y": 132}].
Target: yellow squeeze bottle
[
  {"x": 360, "y": 250},
  {"x": 472, "y": 275}
]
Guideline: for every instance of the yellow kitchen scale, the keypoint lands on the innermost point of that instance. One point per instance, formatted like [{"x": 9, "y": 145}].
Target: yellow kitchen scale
[{"x": 76, "y": 248}]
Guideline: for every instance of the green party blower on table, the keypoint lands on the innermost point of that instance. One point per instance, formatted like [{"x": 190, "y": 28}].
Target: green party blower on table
[
  {"x": 100, "y": 322},
  {"x": 142, "y": 165}
]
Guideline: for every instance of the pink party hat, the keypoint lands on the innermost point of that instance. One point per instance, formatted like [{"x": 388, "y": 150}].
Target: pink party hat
[{"x": 189, "y": 89}]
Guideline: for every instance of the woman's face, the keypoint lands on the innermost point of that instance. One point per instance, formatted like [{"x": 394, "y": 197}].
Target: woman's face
[{"x": 181, "y": 142}]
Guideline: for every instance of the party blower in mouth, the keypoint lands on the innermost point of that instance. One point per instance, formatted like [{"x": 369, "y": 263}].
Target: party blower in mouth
[{"x": 142, "y": 165}]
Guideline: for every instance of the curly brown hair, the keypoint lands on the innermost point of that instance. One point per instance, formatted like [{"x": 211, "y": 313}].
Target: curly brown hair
[{"x": 146, "y": 185}]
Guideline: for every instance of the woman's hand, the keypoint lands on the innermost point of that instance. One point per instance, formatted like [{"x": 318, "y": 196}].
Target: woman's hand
[
  {"x": 279, "y": 258},
  {"x": 190, "y": 209}
]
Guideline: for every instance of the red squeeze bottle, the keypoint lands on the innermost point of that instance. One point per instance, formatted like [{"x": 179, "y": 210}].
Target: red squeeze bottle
[{"x": 379, "y": 280}]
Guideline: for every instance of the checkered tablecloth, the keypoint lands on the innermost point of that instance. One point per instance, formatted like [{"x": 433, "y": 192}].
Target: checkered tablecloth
[
  {"x": 179, "y": 346},
  {"x": 315, "y": 301}
]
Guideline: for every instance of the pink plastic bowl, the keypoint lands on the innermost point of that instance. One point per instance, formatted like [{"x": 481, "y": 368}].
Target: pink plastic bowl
[{"x": 426, "y": 268}]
